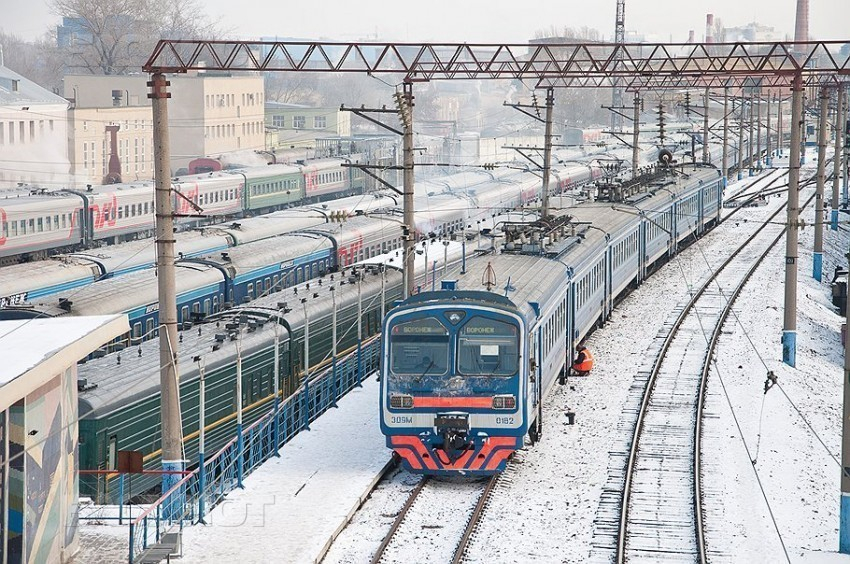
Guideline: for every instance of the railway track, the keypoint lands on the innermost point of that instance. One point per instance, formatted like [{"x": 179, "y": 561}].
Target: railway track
[
  {"x": 660, "y": 513},
  {"x": 436, "y": 522}
]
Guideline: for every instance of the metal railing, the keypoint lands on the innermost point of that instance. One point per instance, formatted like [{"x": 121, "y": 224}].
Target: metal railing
[{"x": 189, "y": 500}]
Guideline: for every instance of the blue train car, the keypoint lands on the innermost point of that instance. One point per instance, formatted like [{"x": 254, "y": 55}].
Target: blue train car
[{"x": 465, "y": 369}]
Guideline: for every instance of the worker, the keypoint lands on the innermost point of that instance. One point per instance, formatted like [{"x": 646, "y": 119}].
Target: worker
[{"x": 583, "y": 363}]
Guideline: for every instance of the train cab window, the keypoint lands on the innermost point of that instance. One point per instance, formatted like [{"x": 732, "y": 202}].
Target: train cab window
[
  {"x": 419, "y": 347},
  {"x": 488, "y": 347}
]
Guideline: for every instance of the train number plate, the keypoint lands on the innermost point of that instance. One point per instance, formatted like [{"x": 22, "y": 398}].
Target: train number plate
[{"x": 452, "y": 422}]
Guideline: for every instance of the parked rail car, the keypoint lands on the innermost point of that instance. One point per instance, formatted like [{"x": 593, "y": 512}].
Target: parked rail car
[
  {"x": 465, "y": 369},
  {"x": 119, "y": 408}
]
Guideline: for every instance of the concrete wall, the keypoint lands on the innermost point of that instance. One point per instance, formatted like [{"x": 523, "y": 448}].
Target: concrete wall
[{"x": 34, "y": 145}]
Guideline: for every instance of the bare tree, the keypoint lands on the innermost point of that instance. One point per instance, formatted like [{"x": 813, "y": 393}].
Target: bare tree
[
  {"x": 116, "y": 36},
  {"x": 39, "y": 61}
]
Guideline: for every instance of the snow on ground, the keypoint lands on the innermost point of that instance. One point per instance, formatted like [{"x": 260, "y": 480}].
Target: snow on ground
[
  {"x": 799, "y": 475},
  {"x": 292, "y": 505}
]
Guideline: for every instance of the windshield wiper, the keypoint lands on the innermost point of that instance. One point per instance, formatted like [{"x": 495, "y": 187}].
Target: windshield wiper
[{"x": 430, "y": 365}]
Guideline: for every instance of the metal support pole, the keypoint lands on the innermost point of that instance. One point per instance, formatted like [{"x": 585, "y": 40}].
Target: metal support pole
[
  {"x": 240, "y": 440},
  {"x": 842, "y": 130},
  {"x": 409, "y": 222},
  {"x": 823, "y": 124},
  {"x": 779, "y": 128},
  {"x": 635, "y": 137},
  {"x": 769, "y": 153},
  {"x": 202, "y": 471},
  {"x": 276, "y": 423},
  {"x": 547, "y": 151},
  {"x": 359, "y": 328},
  {"x": 333, "y": 344},
  {"x": 803, "y": 132},
  {"x": 844, "y": 512},
  {"x": 836, "y": 159},
  {"x": 725, "y": 137},
  {"x": 789, "y": 327},
  {"x": 741, "y": 139},
  {"x": 705, "y": 131},
  {"x": 383, "y": 292},
  {"x": 752, "y": 145},
  {"x": 172, "y": 430},
  {"x": 306, "y": 403},
  {"x": 758, "y": 134}
]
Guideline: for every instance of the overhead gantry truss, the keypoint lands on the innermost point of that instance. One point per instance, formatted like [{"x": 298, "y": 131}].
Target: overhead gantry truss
[{"x": 640, "y": 65}]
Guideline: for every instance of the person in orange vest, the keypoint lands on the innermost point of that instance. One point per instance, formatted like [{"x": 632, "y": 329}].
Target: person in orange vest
[{"x": 583, "y": 363}]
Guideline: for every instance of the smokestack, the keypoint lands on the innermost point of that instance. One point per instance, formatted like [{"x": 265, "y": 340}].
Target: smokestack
[
  {"x": 691, "y": 36},
  {"x": 709, "y": 28},
  {"x": 113, "y": 176},
  {"x": 801, "y": 31}
]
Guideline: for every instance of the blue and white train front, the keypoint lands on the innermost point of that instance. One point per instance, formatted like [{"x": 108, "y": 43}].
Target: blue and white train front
[{"x": 453, "y": 383}]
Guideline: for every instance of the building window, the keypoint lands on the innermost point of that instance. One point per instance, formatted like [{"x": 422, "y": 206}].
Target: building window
[
  {"x": 298, "y": 122},
  {"x": 278, "y": 121},
  {"x": 320, "y": 122}
]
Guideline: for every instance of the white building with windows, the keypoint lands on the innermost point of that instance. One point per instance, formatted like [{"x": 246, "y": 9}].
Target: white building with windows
[
  {"x": 33, "y": 134},
  {"x": 208, "y": 114},
  {"x": 293, "y": 126}
]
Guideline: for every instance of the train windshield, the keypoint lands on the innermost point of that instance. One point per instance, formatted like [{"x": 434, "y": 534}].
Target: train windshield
[
  {"x": 419, "y": 347},
  {"x": 488, "y": 347}
]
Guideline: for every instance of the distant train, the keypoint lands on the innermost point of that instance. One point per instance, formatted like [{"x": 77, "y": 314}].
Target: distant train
[
  {"x": 34, "y": 224},
  {"x": 465, "y": 369},
  {"x": 209, "y": 282}
]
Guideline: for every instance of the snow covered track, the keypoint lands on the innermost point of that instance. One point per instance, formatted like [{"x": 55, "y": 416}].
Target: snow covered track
[
  {"x": 660, "y": 514},
  {"x": 450, "y": 509}
]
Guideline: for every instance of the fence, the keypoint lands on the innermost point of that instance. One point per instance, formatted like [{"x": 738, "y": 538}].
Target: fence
[{"x": 191, "y": 498}]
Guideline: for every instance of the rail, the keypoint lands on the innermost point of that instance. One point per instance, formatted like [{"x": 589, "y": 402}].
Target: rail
[
  {"x": 631, "y": 464},
  {"x": 203, "y": 488}
]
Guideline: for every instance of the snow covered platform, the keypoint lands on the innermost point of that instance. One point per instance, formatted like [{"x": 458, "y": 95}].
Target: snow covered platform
[{"x": 292, "y": 506}]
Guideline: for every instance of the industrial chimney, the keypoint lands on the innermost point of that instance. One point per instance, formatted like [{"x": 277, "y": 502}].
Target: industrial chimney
[
  {"x": 691, "y": 36},
  {"x": 801, "y": 31},
  {"x": 709, "y": 28},
  {"x": 113, "y": 175}
]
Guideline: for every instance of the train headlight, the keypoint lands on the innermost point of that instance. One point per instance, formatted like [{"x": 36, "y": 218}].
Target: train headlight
[
  {"x": 401, "y": 401},
  {"x": 504, "y": 402}
]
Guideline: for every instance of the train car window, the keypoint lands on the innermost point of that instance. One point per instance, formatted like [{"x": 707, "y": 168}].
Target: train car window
[
  {"x": 137, "y": 330},
  {"x": 149, "y": 328},
  {"x": 40, "y": 225},
  {"x": 206, "y": 306},
  {"x": 488, "y": 347},
  {"x": 112, "y": 453},
  {"x": 184, "y": 313},
  {"x": 419, "y": 347},
  {"x": 15, "y": 228},
  {"x": 250, "y": 291},
  {"x": 49, "y": 224},
  {"x": 215, "y": 304}
]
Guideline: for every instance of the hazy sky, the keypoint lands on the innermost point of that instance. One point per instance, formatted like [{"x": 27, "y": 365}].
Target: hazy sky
[{"x": 473, "y": 21}]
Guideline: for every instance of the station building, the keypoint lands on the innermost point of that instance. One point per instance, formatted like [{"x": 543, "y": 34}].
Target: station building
[{"x": 39, "y": 463}]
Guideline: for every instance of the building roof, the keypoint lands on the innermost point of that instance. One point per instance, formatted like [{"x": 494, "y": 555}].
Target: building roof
[
  {"x": 35, "y": 350},
  {"x": 15, "y": 89}
]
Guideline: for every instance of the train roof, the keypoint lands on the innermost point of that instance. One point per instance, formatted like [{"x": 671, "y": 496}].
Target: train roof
[
  {"x": 283, "y": 251},
  {"x": 254, "y": 173},
  {"x": 109, "y": 387},
  {"x": 126, "y": 293},
  {"x": 16, "y": 279},
  {"x": 15, "y": 200},
  {"x": 522, "y": 279}
]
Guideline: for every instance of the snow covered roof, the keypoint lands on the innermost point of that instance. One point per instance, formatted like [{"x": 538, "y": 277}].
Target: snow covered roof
[
  {"x": 47, "y": 346},
  {"x": 15, "y": 89}
]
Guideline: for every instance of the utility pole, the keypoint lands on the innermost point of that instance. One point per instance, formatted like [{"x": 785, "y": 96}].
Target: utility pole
[
  {"x": 779, "y": 126},
  {"x": 789, "y": 327},
  {"x": 172, "y": 430},
  {"x": 636, "y": 136},
  {"x": 823, "y": 124},
  {"x": 725, "y": 137},
  {"x": 547, "y": 150},
  {"x": 741, "y": 138},
  {"x": 769, "y": 155},
  {"x": 405, "y": 104},
  {"x": 845, "y": 159},
  {"x": 803, "y": 133},
  {"x": 758, "y": 131},
  {"x": 705, "y": 156},
  {"x": 836, "y": 159},
  {"x": 844, "y": 512},
  {"x": 619, "y": 40},
  {"x": 752, "y": 147}
]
